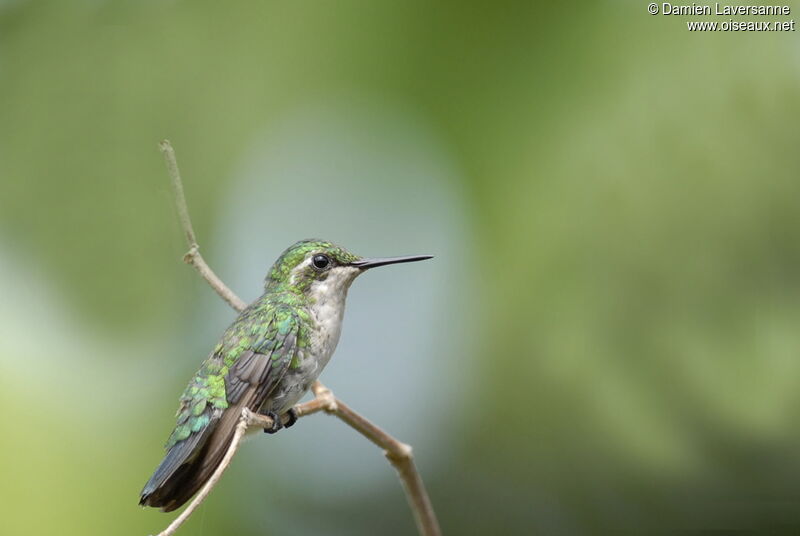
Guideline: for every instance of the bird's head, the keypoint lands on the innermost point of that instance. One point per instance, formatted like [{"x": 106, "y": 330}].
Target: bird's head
[{"x": 319, "y": 267}]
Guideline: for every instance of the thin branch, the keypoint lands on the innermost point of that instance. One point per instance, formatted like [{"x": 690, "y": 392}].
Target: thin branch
[
  {"x": 247, "y": 420},
  {"x": 193, "y": 256},
  {"x": 177, "y": 189},
  {"x": 238, "y": 434},
  {"x": 398, "y": 453},
  {"x": 401, "y": 456}
]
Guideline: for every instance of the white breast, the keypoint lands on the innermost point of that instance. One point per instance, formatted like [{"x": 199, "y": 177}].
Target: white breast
[
  {"x": 327, "y": 311},
  {"x": 326, "y": 307}
]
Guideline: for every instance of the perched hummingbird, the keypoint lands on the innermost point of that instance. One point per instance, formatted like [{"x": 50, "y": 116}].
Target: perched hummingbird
[{"x": 266, "y": 361}]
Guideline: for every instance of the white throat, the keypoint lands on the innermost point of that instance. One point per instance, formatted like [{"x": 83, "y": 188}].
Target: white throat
[{"x": 327, "y": 299}]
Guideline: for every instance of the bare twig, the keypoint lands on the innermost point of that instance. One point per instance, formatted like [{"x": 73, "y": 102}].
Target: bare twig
[
  {"x": 398, "y": 453},
  {"x": 247, "y": 420},
  {"x": 193, "y": 256},
  {"x": 238, "y": 434}
]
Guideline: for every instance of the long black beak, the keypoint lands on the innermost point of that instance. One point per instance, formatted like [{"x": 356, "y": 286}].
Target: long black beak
[{"x": 372, "y": 263}]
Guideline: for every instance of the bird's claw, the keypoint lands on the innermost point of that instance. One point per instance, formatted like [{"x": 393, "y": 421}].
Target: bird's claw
[
  {"x": 277, "y": 423},
  {"x": 292, "y": 413}
]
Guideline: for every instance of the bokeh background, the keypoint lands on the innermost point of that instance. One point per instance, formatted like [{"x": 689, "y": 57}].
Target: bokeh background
[{"x": 607, "y": 341}]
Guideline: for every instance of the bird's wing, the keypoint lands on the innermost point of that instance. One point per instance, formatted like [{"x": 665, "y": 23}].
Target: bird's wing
[
  {"x": 243, "y": 374},
  {"x": 257, "y": 371}
]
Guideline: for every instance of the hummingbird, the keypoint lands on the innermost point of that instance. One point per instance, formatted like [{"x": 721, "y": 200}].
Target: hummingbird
[{"x": 266, "y": 361}]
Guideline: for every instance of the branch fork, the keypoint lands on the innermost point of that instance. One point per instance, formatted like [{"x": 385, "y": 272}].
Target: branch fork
[
  {"x": 399, "y": 454},
  {"x": 193, "y": 253},
  {"x": 325, "y": 396}
]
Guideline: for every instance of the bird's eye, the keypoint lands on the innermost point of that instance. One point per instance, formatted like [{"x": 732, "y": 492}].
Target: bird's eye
[{"x": 321, "y": 262}]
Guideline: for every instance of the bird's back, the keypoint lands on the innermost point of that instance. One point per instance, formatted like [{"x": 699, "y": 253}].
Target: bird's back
[{"x": 245, "y": 367}]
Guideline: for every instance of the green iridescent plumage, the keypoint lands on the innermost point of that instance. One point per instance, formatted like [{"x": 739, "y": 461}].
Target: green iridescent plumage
[
  {"x": 263, "y": 329},
  {"x": 259, "y": 329},
  {"x": 268, "y": 338},
  {"x": 278, "y": 278},
  {"x": 265, "y": 361}
]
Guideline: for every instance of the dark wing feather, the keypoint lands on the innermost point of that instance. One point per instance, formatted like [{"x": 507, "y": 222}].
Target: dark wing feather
[
  {"x": 241, "y": 376},
  {"x": 191, "y": 461},
  {"x": 179, "y": 456}
]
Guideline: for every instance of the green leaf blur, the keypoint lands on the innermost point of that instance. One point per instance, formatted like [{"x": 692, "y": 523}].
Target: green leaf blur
[{"x": 628, "y": 359}]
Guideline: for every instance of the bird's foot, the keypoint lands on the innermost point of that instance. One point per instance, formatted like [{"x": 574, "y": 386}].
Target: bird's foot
[
  {"x": 292, "y": 413},
  {"x": 277, "y": 423}
]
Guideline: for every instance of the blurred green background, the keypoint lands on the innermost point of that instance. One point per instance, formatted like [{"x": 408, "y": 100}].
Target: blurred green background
[{"x": 606, "y": 343}]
